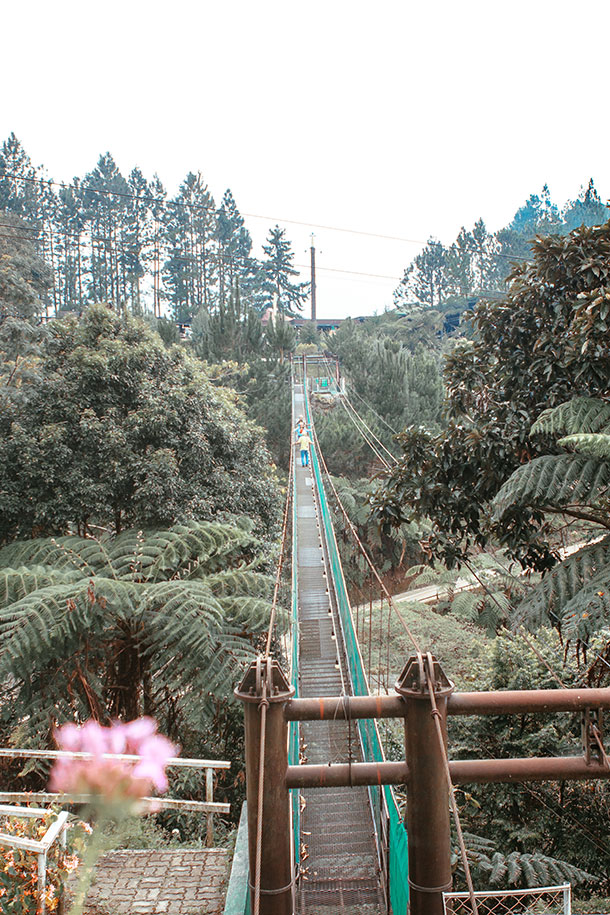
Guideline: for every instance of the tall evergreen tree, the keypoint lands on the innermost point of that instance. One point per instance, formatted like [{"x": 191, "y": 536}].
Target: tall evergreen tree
[
  {"x": 234, "y": 246},
  {"x": 586, "y": 210},
  {"x": 425, "y": 279},
  {"x": 103, "y": 194},
  {"x": 189, "y": 229},
  {"x": 278, "y": 272}
]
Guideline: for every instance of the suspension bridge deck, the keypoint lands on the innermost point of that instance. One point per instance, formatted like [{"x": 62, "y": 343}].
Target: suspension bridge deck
[{"x": 337, "y": 833}]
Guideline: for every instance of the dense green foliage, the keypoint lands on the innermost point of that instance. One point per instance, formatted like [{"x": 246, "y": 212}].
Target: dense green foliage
[
  {"x": 148, "y": 622},
  {"x": 25, "y": 277},
  {"x": 545, "y": 342},
  {"x": 565, "y": 820},
  {"x": 115, "y": 430}
]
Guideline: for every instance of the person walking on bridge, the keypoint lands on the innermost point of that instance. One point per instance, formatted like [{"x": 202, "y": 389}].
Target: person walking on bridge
[{"x": 304, "y": 443}]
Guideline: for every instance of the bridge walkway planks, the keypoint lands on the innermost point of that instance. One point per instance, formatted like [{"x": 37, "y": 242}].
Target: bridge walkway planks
[{"x": 336, "y": 823}]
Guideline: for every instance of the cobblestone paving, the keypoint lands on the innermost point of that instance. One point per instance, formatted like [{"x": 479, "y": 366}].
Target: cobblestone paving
[{"x": 168, "y": 881}]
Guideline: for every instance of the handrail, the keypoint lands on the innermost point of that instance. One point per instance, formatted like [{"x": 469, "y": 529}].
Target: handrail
[
  {"x": 381, "y": 797},
  {"x": 57, "y": 829},
  {"x": 209, "y": 807}
]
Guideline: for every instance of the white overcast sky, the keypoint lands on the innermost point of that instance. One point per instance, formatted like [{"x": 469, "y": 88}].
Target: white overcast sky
[{"x": 406, "y": 118}]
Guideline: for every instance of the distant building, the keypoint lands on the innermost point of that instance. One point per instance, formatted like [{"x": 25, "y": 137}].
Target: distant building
[{"x": 327, "y": 325}]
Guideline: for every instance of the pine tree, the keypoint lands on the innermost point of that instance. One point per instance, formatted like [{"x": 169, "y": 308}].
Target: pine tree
[
  {"x": 426, "y": 277},
  {"x": 103, "y": 195},
  {"x": 20, "y": 188},
  {"x": 234, "y": 246},
  {"x": 277, "y": 273},
  {"x": 136, "y": 236},
  {"x": 189, "y": 228},
  {"x": 586, "y": 210}
]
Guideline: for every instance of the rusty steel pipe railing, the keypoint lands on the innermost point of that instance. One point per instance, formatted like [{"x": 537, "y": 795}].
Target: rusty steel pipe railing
[
  {"x": 521, "y": 702},
  {"x": 537, "y": 769},
  {"x": 463, "y": 771},
  {"x": 329, "y": 708},
  {"x": 507, "y": 702},
  {"x": 345, "y": 775}
]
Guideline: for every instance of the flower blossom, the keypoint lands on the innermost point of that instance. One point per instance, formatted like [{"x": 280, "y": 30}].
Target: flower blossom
[{"x": 112, "y": 779}]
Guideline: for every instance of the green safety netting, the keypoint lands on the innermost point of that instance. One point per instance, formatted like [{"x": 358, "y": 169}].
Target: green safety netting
[
  {"x": 383, "y": 800},
  {"x": 293, "y": 738}
]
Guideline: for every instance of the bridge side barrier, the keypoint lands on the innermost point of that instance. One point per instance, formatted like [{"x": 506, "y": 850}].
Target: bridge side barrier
[
  {"x": 383, "y": 799},
  {"x": 293, "y": 734}
]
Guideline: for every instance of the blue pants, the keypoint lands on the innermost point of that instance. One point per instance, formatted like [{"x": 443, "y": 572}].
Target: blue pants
[{"x": 305, "y": 458}]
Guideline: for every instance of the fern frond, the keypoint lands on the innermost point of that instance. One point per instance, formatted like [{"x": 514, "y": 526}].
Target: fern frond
[
  {"x": 499, "y": 869},
  {"x": 548, "y": 599},
  {"x": 60, "y": 552},
  {"x": 45, "y": 623},
  {"x": 161, "y": 554},
  {"x": 594, "y": 444},
  {"x": 582, "y": 414},
  {"x": 589, "y": 609},
  {"x": 514, "y": 868},
  {"x": 250, "y": 612},
  {"x": 466, "y": 605},
  {"x": 554, "y": 480},
  {"x": 242, "y": 581},
  {"x": 17, "y": 583}
]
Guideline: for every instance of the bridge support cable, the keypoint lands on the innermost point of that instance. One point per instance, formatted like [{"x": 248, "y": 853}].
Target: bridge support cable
[
  {"x": 371, "y": 439},
  {"x": 414, "y": 732},
  {"x": 262, "y": 690}
]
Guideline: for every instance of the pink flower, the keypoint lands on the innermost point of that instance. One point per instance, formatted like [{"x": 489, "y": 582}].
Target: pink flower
[{"x": 112, "y": 779}]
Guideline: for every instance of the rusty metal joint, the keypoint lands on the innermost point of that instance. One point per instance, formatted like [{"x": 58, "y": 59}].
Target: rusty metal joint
[
  {"x": 278, "y": 892},
  {"x": 431, "y": 889}
]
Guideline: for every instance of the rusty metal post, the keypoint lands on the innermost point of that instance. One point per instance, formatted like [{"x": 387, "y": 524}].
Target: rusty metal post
[
  {"x": 264, "y": 681},
  {"x": 427, "y": 815}
]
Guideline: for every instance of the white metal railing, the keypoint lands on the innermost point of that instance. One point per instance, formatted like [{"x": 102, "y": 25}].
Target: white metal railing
[
  {"x": 40, "y": 847},
  {"x": 539, "y": 900},
  {"x": 209, "y": 807}
]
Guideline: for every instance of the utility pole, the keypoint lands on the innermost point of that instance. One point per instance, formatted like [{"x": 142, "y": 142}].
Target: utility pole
[{"x": 313, "y": 278}]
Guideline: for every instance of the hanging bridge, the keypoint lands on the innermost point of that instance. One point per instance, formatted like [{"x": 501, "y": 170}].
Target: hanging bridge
[
  {"x": 325, "y": 831},
  {"x": 343, "y": 830}
]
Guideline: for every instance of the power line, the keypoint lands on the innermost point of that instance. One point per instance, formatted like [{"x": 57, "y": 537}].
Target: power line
[
  {"x": 201, "y": 207},
  {"x": 75, "y": 243}
]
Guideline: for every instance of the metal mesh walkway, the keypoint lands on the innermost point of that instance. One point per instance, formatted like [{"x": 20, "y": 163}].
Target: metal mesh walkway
[{"x": 336, "y": 824}]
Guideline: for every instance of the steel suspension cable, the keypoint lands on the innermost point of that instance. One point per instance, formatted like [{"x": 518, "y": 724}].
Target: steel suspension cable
[
  {"x": 366, "y": 439},
  {"x": 346, "y": 401},
  {"x": 280, "y": 564},
  {"x": 436, "y": 715},
  {"x": 361, "y": 546},
  {"x": 368, "y": 428},
  {"x": 264, "y": 703},
  {"x": 374, "y": 412}
]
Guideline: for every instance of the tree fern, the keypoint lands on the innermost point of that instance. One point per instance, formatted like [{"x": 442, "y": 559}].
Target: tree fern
[
  {"x": 546, "y": 601},
  {"x": 580, "y": 415},
  {"x": 466, "y": 605},
  {"x": 589, "y": 609},
  {"x": 594, "y": 444},
  {"x": 492, "y": 868},
  {"x": 17, "y": 583},
  {"x": 556, "y": 482},
  {"x": 148, "y": 621}
]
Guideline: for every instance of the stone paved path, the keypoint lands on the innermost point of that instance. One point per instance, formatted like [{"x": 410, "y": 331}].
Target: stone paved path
[{"x": 155, "y": 881}]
